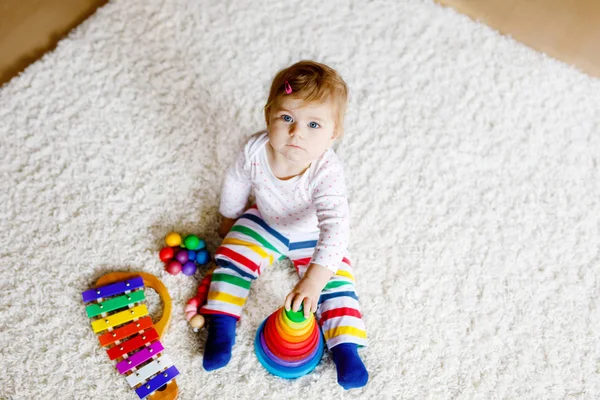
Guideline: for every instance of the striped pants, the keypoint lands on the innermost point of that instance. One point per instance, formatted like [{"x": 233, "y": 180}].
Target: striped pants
[{"x": 251, "y": 246}]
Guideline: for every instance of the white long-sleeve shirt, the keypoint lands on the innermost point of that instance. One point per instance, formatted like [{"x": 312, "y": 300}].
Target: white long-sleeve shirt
[{"x": 312, "y": 202}]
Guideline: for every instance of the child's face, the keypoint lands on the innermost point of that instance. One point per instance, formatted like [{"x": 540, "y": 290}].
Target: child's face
[{"x": 301, "y": 132}]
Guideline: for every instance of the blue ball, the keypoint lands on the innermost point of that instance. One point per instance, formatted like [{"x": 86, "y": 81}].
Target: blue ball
[
  {"x": 202, "y": 257},
  {"x": 191, "y": 255},
  {"x": 189, "y": 268}
]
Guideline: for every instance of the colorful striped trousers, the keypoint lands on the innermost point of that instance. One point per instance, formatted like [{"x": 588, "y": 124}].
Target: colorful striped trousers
[{"x": 251, "y": 246}]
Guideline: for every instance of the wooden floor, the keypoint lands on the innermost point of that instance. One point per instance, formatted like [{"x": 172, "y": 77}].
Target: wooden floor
[
  {"x": 29, "y": 28},
  {"x": 568, "y": 30}
]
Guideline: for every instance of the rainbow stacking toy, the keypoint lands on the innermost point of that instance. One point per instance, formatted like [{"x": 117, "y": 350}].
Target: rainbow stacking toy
[
  {"x": 289, "y": 345},
  {"x": 121, "y": 319}
]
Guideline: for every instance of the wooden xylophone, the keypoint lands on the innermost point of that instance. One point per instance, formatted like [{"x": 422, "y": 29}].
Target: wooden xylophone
[{"x": 120, "y": 318}]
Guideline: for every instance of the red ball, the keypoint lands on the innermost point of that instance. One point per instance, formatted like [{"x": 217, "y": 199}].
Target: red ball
[
  {"x": 174, "y": 267},
  {"x": 166, "y": 254}
]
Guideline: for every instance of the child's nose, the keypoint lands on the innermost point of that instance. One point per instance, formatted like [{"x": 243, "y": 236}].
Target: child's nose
[{"x": 295, "y": 130}]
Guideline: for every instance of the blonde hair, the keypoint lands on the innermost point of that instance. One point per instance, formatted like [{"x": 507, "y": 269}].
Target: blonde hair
[{"x": 311, "y": 81}]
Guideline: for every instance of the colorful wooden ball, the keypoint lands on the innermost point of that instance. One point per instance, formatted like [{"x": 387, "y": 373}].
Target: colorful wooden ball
[
  {"x": 166, "y": 254},
  {"x": 192, "y": 242},
  {"x": 202, "y": 257},
  {"x": 197, "y": 322},
  {"x": 174, "y": 267},
  {"x": 173, "y": 239},
  {"x": 189, "y": 268},
  {"x": 192, "y": 255},
  {"x": 182, "y": 256}
]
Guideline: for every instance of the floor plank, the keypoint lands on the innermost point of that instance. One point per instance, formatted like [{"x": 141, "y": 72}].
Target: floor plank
[
  {"x": 29, "y": 28},
  {"x": 568, "y": 30}
]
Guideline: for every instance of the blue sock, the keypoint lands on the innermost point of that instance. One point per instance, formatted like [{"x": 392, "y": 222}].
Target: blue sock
[
  {"x": 351, "y": 371},
  {"x": 221, "y": 337}
]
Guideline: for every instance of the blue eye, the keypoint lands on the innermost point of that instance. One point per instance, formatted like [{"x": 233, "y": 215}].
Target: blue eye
[
  {"x": 286, "y": 118},
  {"x": 314, "y": 125}
]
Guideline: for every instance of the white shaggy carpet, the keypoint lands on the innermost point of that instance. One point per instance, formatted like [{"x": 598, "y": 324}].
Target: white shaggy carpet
[{"x": 472, "y": 165}]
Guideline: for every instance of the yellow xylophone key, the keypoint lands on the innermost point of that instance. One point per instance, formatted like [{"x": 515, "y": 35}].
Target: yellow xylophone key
[{"x": 119, "y": 318}]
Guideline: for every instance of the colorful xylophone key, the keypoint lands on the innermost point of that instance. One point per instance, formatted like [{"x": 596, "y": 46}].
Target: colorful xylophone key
[{"x": 126, "y": 330}]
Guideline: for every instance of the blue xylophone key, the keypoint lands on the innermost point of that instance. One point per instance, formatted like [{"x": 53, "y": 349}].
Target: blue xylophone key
[
  {"x": 112, "y": 289},
  {"x": 157, "y": 382}
]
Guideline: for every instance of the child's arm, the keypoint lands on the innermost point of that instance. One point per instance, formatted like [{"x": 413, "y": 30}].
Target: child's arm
[
  {"x": 234, "y": 194},
  {"x": 308, "y": 290},
  {"x": 329, "y": 198}
]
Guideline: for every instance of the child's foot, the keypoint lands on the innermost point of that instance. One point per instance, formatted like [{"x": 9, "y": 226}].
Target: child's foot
[
  {"x": 221, "y": 337},
  {"x": 351, "y": 371}
]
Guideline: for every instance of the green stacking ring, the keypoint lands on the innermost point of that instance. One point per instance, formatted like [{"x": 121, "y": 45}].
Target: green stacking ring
[{"x": 295, "y": 316}]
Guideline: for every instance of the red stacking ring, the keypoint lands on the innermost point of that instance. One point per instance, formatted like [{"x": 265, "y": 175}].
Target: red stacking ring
[
  {"x": 281, "y": 329},
  {"x": 277, "y": 348},
  {"x": 280, "y": 348},
  {"x": 286, "y": 344}
]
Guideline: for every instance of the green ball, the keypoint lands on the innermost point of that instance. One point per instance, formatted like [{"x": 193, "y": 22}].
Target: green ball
[{"x": 193, "y": 243}]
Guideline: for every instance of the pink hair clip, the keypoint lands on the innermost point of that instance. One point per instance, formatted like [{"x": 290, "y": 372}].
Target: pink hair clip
[{"x": 288, "y": 88}]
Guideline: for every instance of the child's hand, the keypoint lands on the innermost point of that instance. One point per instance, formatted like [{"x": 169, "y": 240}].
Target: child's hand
[
  {"x": 305, "y": 293},
  {"x": 308, "y": 290},
  {"x": 225, "y": 227}
]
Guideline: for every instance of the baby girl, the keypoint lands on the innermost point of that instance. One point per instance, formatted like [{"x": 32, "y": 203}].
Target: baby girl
[{"x": 301, "y": 213}]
